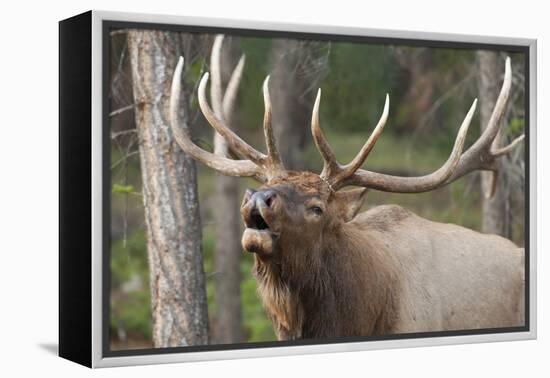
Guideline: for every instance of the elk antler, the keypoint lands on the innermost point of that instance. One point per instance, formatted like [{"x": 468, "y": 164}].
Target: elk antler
[
  {"x": 223, "y": 103},
  {"x": 252, "y": 162},
  {"x": 272, "y": 151},
  {"x": 480, "y": 156},
  {"x": 332, "y": 171},
  {"x": 219, "y": 163}
]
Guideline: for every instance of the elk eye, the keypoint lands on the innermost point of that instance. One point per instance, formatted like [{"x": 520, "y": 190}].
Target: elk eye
[{"x": 316, "y": 210}]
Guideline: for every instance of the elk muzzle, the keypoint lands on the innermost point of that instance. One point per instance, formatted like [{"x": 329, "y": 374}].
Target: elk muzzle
[{"x": 257, "y": 211}]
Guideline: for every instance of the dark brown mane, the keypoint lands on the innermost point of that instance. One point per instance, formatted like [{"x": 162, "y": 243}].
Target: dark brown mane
[{"x": 325, "y": 298}]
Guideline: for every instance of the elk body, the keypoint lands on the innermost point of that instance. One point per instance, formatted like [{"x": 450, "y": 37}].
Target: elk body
[{"x": 324, "y": 270}]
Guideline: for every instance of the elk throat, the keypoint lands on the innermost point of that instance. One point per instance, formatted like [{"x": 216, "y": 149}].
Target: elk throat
[{"x": 342, "y": 291}]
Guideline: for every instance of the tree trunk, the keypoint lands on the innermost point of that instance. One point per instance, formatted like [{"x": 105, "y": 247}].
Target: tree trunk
[
  {"x": 227, "y": 279},
  {"x": 419, "y": 88},
  {"x": 495, "y": 210},
  {"x": 226, "y": 327},
  {"x": 293, "y": 93},
  {"x": 178, "y": 293}
]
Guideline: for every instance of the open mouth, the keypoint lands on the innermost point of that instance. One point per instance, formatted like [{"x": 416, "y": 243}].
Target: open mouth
[
  {"x": 256, "y": 221},
  {"x": 257, "y": 237}
]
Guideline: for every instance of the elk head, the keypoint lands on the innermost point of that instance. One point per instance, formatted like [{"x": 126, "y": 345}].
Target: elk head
[{"x": 294, "y": 210}]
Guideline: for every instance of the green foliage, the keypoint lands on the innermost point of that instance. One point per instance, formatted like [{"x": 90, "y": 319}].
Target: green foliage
[
  {"x": 256, "y": 325},
  {"x": 355, "y": 88},
  {"x": 123, "y": 189},
  {"x": 133, "y": 313},
  {"x": 130, "y": 296},
  {"x": 516, "y": 126},
  {"x": 250, "y": 102},
  {"x": 391, "y": 154}
]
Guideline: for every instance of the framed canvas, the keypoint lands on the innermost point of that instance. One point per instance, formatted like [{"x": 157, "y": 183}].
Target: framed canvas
[{"x": 235, "y": 189}]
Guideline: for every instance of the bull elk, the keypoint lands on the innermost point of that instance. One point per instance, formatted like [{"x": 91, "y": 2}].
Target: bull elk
[{"x": 324, "y": 270}]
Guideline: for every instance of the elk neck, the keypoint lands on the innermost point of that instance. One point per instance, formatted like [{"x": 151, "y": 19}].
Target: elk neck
[{"x": 323, "y": 290}]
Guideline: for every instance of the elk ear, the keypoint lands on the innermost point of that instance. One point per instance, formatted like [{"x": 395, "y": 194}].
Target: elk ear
[{"x": 351, "y": 202}]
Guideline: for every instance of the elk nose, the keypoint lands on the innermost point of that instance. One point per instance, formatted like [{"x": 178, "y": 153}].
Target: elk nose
[{"x": 264, "y": 198}]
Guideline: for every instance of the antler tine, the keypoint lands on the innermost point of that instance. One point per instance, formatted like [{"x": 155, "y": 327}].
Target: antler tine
[
  {"x": 493, "y": 126},
  {"x": 223, "y": 102},
  {"x": 333, "y": 173},
  {"x": 358, "y": 161},
  {"x": 389, "y": 183},
  {"x": 216, "y": 91},
  {"x": 483, "y": 153},
  {"x": 504, "y": 150},
  {"x": 330, "y": 166},
  {"x": 231, "y": 90},
  {"x": 219, "y": 163},
  {"x": 241, "y": 148},
  {"x": 494, "y": 121},
  {"x": 272, "y": 151}
]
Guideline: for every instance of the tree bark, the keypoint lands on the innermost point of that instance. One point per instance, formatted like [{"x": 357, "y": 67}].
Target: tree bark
[
  {"x": 226, "y": 327},
  {"x": 174, "y": 246},
  {"x": 293, "y": 93},
  {"x": 496, "y": 215}
]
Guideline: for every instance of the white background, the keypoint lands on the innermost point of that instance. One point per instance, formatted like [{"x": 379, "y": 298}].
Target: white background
[{"x": 29, "y": 189}]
